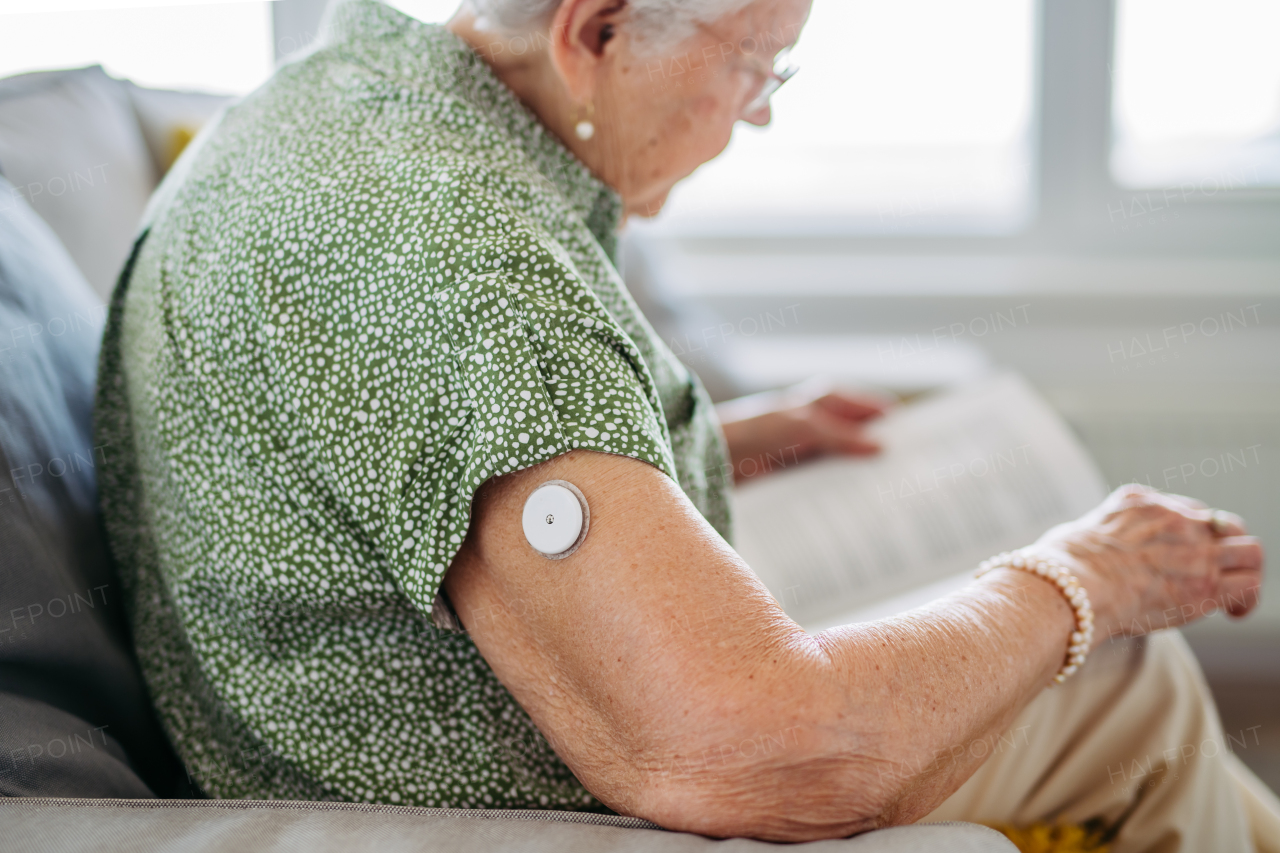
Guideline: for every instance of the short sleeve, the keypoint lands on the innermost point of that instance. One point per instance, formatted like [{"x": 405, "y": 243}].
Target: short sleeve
[{"x": 538, "y": 368}]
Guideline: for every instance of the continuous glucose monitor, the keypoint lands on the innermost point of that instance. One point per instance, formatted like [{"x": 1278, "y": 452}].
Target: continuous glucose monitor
[{"x": 555, "y": 519}]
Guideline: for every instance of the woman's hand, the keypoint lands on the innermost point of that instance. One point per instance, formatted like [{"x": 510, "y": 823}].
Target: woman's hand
[
  {"x": 771, "y": 431},
  {"x": 1151, "y": 560}
]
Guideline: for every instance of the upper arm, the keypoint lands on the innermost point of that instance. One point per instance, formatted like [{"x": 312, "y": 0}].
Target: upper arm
[
  {"x": 672, "y": 684},
  {"x": 645, "y": 653}
]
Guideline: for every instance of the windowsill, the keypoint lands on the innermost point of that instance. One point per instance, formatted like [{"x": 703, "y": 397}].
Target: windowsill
[{"x": 686, "y": 271}]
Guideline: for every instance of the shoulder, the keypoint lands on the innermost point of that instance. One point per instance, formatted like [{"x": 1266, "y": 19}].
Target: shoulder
[{"x": 295, "y": 171}]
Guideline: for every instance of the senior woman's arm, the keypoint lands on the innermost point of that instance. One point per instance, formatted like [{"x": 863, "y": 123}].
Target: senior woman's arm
[{"x": 673, "y": 685}]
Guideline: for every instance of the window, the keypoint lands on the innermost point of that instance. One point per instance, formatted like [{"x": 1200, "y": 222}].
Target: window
[
  {"x": 1045, "y": 127},
  {"x": 990, "y": 125},
  {"x": 910, "y": 116},
  {"x": 225, "y": 47},
  {"x": 1197, "y": 94}
]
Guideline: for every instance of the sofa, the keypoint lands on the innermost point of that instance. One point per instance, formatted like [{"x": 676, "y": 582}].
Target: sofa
[{"x": 84, "y": 762}]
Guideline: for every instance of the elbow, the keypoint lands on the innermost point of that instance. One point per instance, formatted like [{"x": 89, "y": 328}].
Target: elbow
[
  {"x": 723, "y": 793},
  {"x": 798, "y": 770},
  {"x": 788, "y": 761}
]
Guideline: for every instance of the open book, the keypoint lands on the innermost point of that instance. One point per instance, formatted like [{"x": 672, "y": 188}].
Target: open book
[{"x": 966, "y": 474}]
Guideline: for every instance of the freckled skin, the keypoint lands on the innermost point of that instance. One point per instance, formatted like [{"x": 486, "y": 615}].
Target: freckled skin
[
  {"x": 712, "y": 662},
  {"x": 860, "y": 697}
]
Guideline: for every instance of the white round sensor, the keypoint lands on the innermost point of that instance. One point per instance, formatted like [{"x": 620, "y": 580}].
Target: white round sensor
[{"x": 555, "y": 519}]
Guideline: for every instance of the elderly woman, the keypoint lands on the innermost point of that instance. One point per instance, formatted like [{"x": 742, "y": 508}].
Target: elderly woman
[{"x": 376, "y": 308}]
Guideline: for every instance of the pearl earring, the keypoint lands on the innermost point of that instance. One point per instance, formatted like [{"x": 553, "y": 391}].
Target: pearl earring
[{"x": 583, "y": 127}]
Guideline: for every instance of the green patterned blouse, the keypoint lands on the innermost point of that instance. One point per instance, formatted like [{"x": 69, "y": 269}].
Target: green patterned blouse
[{"x": 376, "y": 283}]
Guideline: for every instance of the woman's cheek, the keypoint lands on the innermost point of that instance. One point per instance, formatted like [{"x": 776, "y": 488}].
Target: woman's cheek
[
  {"x": 711, "y": 124},
  {"x": 697, "y": 148},
  {"x": 691, "y": 135},
  {"x": 713, "y": 110}
]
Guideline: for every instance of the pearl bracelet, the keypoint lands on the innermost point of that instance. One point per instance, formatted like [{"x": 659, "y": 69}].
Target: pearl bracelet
[{"x": 1061, "y": 576}]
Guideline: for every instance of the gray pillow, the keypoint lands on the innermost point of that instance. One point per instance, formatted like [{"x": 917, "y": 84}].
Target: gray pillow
[
  {"x": 71, "y": 144},
  {"x": 66, "y": 665}
]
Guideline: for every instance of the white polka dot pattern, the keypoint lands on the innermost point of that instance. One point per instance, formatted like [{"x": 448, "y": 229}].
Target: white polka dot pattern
[{"x": 375, "y": 284}]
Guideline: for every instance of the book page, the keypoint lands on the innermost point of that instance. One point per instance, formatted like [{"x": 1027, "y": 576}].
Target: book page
[{"x": 980, "y": 469}]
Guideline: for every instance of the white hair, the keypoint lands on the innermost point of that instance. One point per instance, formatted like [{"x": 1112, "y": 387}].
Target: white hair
[{"x": 659, "y": 23}]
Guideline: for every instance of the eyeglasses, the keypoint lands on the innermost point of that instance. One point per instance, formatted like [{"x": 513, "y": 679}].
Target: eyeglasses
[{"x": 783, "y": 70}]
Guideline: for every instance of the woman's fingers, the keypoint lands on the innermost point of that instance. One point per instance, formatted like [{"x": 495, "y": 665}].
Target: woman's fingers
[
  {"x": 1182, "y": 547},
  {"x": 837, "y": 435},
  {"x": 850, "y": 443},
  {"x": 1240, "y": 584},
  {"x": 857, "y": 446},
  {"x": 1221, "y": 522},
  {"x": 1240, "y": 591},
  {"x": 1239, "y": 552},
  {"x": 852, "y": 407},
  {"x": 838, "y": 417},
  {"x": 1224, "y": 523}
]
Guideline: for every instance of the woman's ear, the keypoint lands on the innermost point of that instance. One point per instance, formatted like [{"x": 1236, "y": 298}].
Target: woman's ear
[{"x": 580, "y": 32}]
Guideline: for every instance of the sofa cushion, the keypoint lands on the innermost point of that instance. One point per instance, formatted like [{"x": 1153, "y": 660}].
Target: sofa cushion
[
  {"x": 49, "y": 752},
  {"x": 70, "y": 143},
  {"x": 169, "y": 119},
  {"x": 66, "y": 663},
  {"x": 226, "y": 826}
]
